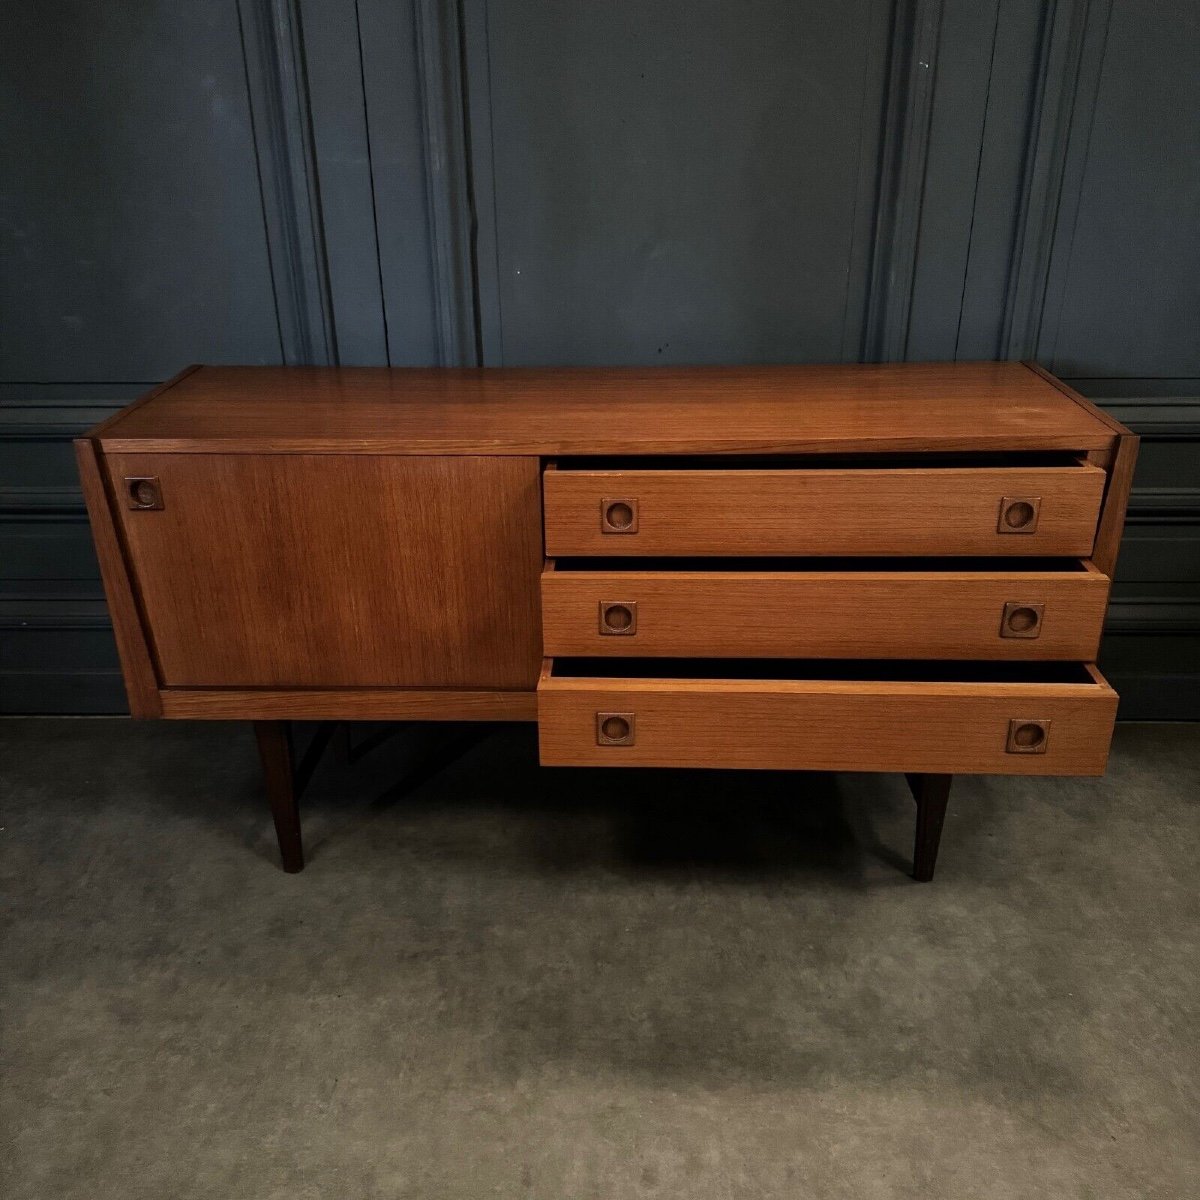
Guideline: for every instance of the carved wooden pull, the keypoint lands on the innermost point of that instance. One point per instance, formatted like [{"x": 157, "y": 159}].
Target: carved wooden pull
[
  {"x": 618, "y": 618},
  {"x": 614, "y": 729},
  {"x": 143, "y": 492},
  {"x": 1028, "y": 735},
  {"x": 618, "y": 514},
  {"x": 1019, "y": 514},
  {"x": 1021, "y": 619}
]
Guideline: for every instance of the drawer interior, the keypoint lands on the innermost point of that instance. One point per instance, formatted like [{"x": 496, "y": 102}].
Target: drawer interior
[
  {"x": 822, "y": 462},
  {"x": 826, "y": 563},
  {"x": 882, "y": 671}
]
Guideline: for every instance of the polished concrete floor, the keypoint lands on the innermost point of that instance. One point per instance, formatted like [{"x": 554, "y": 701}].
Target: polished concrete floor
[{"x": 498, "y": 981}]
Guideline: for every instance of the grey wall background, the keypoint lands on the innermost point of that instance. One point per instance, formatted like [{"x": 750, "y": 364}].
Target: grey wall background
[{"x": 505, "y": 181}]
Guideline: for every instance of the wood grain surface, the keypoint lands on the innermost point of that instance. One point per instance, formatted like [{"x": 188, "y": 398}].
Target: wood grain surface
[
  {"x": 137, "y": 663},
  {"x": 827, "y": 725},
  {"x": 560, "y": 411},
  {"x": 1121, "y": 461},
  {"x": 916, "y": 511},
  {"x": 1116, "y": 501},
  {"x": 338, "y": 570},
  {"x": 349, "y": 704},
  {"x": 826, "y": 614}
]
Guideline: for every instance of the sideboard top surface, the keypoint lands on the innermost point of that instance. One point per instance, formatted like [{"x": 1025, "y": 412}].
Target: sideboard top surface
[{"x": 897, "y": 407}]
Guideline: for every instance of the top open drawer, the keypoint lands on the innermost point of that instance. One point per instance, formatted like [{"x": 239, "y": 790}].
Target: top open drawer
[{"x": 977, "y": 509}]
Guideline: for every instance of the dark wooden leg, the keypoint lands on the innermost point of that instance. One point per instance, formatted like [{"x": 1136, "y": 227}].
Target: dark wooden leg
[
  {"x": 343, "y": 744},
  {"x": 275, "y": 750},
  {"x": 931, "y": 793}
]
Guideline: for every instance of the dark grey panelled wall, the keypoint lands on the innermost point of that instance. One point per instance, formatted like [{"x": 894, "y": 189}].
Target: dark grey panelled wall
[{"x": 505, "y": 181}]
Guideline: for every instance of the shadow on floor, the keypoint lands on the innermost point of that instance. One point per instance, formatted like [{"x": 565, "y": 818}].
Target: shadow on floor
[{"x": 666, "y": 821}]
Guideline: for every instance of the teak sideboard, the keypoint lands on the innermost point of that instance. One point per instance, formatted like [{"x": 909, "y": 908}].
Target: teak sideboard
[{"x": 862, "y": 568}]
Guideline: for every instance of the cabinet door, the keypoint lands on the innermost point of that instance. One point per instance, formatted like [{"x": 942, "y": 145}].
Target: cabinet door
[{"x": 336, "y": 570}]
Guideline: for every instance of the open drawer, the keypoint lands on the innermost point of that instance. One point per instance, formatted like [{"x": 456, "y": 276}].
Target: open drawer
[
  {"x": 947, "y": 718},
  {"x": 824, "y": 608},
  {"x": 986, "y": 505}
]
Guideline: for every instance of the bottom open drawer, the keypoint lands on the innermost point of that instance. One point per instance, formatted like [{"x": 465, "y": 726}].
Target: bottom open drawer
[{"x": 942, "y": 717}]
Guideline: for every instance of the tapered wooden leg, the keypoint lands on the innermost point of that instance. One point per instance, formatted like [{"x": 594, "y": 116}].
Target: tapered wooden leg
[
  {"x": 275, "y": 750},
  {"x": 931, "y": 793}
]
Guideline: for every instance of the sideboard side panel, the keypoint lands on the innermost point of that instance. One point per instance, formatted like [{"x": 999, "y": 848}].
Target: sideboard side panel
[
  {"x": 1116, "y": 501},
  {"x": 137, "y": 664}
]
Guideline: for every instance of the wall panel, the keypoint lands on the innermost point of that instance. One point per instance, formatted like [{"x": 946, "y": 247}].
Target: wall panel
[
  {"x": 131, "y": 204},
  {"x": 679, "y": 182},
  {"x": 1126, "y": 290}
]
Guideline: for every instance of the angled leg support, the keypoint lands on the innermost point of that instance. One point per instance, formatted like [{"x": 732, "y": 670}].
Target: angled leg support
[{"x": 931, "y": 793}]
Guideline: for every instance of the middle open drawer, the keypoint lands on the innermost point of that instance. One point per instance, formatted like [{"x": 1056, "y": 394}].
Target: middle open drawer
[{"x": 1044, "y": 609}]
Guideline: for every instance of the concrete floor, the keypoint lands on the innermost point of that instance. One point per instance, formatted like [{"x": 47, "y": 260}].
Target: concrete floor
[{"x": 510, "y": 982}]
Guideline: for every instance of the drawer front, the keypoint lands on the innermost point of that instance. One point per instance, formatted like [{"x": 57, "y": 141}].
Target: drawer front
[
  {"x": 995, "y": 729},
  {"x": 923, "y": 511},
  {"x": 825, "y": 614}
]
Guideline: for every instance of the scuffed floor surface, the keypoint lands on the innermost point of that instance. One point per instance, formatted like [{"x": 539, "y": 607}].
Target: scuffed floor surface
[{"x": 512, "y": 982}]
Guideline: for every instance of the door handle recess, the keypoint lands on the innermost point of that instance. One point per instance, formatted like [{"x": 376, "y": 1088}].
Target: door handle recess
[
  {"x": 614, "y": 729},
  {"x": 619, "y": 514},
  {"x": 143, "y": 492},
  {"x": 1019, "y": 514},
  {"x": 1028, "y": 735},
  {"x": 1021, "y": 619},
  {"x": 618, "y": 618}
]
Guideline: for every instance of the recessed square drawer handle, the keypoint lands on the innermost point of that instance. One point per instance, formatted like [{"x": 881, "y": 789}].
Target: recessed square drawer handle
[
  {"x": 1019, "y": 514},
  {"x": 143, "y": 492},
  {"x": 618, "y": 514},
  {"x": 1028, "y": 735},
  {"x": 614, "y": 729},
  {"x": 1021, "y": 619},
  {"x": 618, "y": 618}
]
